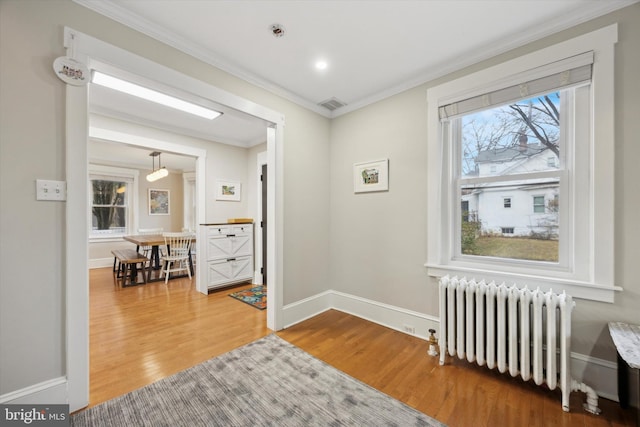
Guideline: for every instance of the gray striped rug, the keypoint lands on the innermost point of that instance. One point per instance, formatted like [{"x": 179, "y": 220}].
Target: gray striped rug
[{"x": 266, "y": 383}]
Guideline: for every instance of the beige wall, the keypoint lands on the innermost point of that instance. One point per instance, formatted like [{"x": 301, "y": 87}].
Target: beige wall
[
  {"x": 378, "y": 241},
  {"x": 32, "y": 146},
  {"x": 99, "y": 251},
  {"x": 369, "y": 245}
]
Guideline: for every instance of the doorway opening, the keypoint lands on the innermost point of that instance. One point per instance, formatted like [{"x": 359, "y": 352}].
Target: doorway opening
[{"x": 97, "y": 54}]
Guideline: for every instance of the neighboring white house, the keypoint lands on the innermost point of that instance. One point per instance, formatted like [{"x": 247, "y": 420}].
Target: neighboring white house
[{"x": 515, "y": 208}]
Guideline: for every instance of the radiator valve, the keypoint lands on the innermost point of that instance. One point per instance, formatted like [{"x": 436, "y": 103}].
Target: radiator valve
[{"x": 433, "y": 343}]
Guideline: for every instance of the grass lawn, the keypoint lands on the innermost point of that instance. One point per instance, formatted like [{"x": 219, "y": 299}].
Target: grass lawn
[{"x": 516, "y": 247}]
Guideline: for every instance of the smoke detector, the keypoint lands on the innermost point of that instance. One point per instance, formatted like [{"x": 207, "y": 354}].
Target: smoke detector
[{"x": 277, "y": 30}]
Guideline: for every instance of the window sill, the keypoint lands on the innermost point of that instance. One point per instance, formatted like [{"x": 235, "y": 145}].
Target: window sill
[
  {"x": 105, "y": 239},
  {"x": 575, "y": 288}
]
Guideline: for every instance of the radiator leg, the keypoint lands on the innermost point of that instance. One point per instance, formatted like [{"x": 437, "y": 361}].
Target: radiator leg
[{"x": 592, "y": 397}]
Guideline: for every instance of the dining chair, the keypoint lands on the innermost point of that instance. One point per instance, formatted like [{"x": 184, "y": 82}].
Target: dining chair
[
  {"x": 193, "y": 247},
  {"x": 146, "y": 250},
  {"x": 177, "y": 258}
]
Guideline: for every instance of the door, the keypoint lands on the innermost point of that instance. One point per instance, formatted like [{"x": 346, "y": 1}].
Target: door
[{"x": 263, "y": 223}]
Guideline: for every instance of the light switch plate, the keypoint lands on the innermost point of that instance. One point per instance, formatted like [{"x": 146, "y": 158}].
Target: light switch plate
[{"x": 51, "y": 190}]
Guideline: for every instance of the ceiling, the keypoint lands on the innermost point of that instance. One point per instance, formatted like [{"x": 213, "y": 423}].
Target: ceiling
[{"x": 373, "y": 48}]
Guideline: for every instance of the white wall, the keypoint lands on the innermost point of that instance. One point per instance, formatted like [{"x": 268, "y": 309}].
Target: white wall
[
  {"x": 366, "y": 245},
  {"x": 378, "y": 239},
  {"x": 32, "y": 146}
]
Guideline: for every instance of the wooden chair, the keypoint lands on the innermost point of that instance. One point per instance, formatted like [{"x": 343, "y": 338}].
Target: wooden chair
[
  {"x": 178, "y": 251},
  {"x": 146, "y": 250}
]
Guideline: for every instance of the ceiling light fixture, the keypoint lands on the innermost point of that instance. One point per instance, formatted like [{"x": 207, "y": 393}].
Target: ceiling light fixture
[
  {"x": 152, "y": 95},
  {"x": 156, "y": 174},
  {"x": 277, "y": 30},
  {"x": 321, "y": 65}
]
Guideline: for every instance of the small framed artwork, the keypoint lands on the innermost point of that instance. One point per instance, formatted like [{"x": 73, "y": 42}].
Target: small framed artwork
[
  {"x": 158, "y": 202},
  {"x": 371, "y": 176},
  {"x": 228, "y": 190}
]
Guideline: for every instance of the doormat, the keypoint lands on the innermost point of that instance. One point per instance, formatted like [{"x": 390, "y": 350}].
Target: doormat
[{"x": 256, "y": 296}]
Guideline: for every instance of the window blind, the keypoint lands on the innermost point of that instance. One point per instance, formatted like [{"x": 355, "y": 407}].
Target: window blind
[{"x": 558, "y": 75}]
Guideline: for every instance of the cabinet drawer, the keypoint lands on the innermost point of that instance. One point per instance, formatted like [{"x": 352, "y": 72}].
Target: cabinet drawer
[
  {"x": 229, "y": 230},
  {"x": 229, "y": 271},
  {"x": 219, "y": 247}
]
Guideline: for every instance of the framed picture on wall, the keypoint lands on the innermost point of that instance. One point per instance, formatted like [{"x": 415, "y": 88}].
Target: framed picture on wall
[
  {"x": 371, "y": 176},
  {"x": 158, "y": 202},
  {"x": 228, "y": 190}
]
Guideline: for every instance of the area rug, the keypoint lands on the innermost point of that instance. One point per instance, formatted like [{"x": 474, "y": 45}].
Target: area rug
[
  {"x": 256, "y": 296},
  {"x": 269, "y": 382}
]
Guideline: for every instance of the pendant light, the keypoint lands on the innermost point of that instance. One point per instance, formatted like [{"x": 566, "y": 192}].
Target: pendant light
[{"x": 156, "y": 174}]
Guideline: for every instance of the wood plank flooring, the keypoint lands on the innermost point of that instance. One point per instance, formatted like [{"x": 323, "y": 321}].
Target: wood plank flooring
[{"x": 145, "y": 333}]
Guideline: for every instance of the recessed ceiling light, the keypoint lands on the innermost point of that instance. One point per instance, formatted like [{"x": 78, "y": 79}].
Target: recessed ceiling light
[{"x": 321, "y": 65}]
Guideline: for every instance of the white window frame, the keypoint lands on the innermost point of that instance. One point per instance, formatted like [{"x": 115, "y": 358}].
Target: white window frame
[
  {"x": 115, "y": 173},
  {"x": 544, "y": 204},
  {"x": 589, "y": 272}
]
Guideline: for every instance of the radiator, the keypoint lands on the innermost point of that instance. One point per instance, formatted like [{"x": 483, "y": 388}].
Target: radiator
[{"x": 524, "y": 332}]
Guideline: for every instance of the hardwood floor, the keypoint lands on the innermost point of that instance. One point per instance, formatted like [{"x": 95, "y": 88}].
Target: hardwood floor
[
  {"x": 143, "y": 333},
  {"x": 457, "y": 394},
  {"x": 147, "y": 332}
]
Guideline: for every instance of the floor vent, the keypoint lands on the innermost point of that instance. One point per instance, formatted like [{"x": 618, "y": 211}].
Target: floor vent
[{"x": 332, "y": 104}]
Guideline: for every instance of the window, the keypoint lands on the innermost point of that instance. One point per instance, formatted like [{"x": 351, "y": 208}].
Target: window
[
  {"x": 109, "y": 207},
  {"x": 531, "y": 126},
  {"x": 113, "y": 197}
]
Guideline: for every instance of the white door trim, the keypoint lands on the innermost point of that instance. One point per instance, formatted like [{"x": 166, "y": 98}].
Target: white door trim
[{"x": 97, "y": 54}]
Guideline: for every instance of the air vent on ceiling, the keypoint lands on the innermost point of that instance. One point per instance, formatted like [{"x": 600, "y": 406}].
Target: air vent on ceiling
[{"x": 332, "y": 104}]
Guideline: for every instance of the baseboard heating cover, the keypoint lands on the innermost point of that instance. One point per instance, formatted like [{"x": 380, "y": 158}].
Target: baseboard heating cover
[{"x": 522, "y": 331}]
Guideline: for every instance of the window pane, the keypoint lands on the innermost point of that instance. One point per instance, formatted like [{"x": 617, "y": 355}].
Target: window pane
[
  {"x": 109, "y": 209},
  {"x": 518, "y": 138},
  {"x": 488, "y": 229},
  {"x": 109, "y": 218},
  {"x": 109, "y": 193}
]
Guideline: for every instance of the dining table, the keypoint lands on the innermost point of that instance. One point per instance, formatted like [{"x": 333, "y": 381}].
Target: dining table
[{"x": 155, "y": 241}]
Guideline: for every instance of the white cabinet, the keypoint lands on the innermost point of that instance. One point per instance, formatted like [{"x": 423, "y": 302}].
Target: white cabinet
[{"x": 229, "y": 252}]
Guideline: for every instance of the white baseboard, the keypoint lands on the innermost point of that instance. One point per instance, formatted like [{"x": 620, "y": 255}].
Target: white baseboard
[
  {"x": 101, "y": 262},
  {"x": 48, "y": 392},
  {"x": 306, "y": 308},
  {"x": 598, "y": 374}
]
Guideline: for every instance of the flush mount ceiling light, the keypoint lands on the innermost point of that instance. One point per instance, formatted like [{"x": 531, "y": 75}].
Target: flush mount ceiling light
[
  {"x": 152, "y": 95},
  {"x": 156, "y": 174},
  {"x": 277, "y": 30}
]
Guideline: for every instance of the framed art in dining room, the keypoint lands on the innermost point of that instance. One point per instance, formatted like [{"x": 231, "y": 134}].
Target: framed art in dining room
[
  {"x": 159, "y": 202},
  {"x": 371, "y": 176},
  {"x": 228, "y": 190}
]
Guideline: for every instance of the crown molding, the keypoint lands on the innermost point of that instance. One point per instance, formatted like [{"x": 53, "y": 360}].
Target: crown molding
[
  {"x": 559, "y": 24},
  {"x": 119, "y": 14}
]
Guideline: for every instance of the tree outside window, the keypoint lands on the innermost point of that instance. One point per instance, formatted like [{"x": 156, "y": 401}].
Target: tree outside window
[
  {"x": 109, "y": 207},
  {"x": 508, "y": 148}
]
